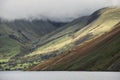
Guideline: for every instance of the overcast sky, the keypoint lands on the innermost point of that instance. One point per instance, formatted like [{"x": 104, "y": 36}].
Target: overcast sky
[{"x": 60, "y": 10}]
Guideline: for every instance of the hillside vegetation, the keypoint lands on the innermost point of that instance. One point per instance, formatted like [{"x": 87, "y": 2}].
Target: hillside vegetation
[
  {"x": 20, "y": 37},
  {"x": 104, "y": 23},
  {"x": 99, "y": 54},
  {"x": 87, "y": 43},
  {"x": 99, "y": 40}
]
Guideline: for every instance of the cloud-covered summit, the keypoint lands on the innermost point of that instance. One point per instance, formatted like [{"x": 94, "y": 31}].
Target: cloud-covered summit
[{"x": 57, "y": 10}]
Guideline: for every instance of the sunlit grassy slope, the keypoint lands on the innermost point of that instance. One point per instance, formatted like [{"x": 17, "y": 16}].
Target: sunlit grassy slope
[
  {"x": 101, "y": 51},
  {"x": 108, "y": 17},
  {"x": 60, "y": 37}
]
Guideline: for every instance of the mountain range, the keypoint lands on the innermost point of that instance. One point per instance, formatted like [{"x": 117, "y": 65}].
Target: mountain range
[{"x": 88, "y": 43}]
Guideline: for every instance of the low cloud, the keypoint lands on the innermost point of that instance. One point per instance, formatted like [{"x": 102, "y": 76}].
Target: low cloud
[{"x": 57, "y": 10}]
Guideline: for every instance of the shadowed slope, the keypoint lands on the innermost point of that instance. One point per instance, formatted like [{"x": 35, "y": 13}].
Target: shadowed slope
[{"x": 19, "y": 37}]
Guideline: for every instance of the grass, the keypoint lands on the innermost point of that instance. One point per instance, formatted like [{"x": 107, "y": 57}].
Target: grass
[
  {"x": 52, "y": 46},
  {"x": 55, "y": 42},
  {"x": 9, "y": 47},
  {"x": 4, "y": 60},
  {"x": 60, "y": 38}
]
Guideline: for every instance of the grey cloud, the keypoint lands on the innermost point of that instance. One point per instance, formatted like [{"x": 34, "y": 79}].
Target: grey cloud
[{"x": 60, "y": 10}]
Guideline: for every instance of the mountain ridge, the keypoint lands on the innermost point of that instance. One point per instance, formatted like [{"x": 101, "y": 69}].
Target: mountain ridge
[
  {"x": 65, "y": 39},
  {"x": 60, "y": 62},
  {"x": 92, "y": 28}
]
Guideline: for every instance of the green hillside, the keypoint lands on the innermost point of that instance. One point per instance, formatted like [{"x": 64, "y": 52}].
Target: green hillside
[
  {"x": 78, "y": 29},
  {"x": 101, "y": 25},
  {"x": 102, "y": 56},
  {"x": 40, "y": 45},
  {"x": 20, "y": 37}
]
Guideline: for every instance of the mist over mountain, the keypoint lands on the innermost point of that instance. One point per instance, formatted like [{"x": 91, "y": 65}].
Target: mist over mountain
[
  {"x": 86, "y": 43},
  {"x": 55, "y": 10},
  {"x": 60, "y": 35}
]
